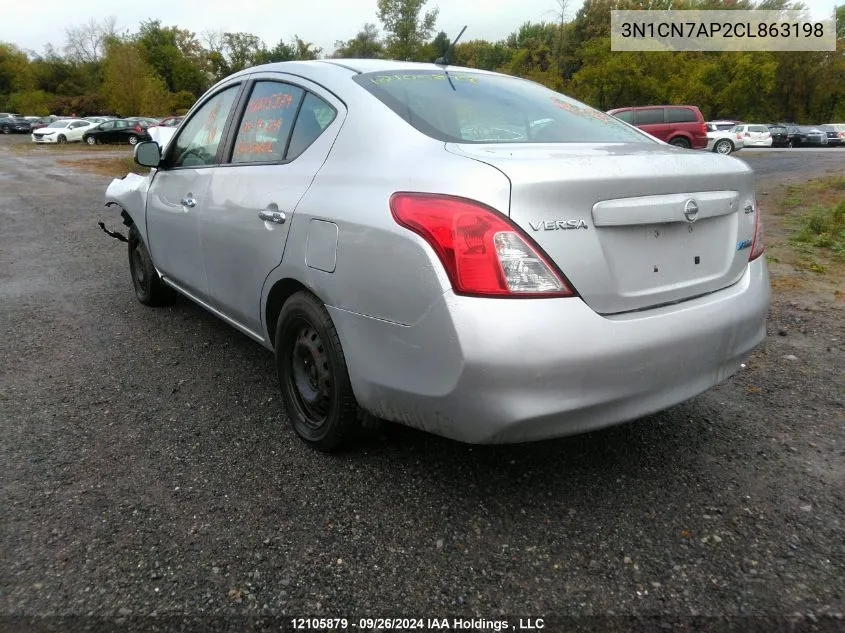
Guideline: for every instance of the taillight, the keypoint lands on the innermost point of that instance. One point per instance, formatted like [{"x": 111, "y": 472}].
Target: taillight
[
  {"x": 483, "y": 253},
  {"x": 757, "y": 246},
  {"x": 138, "y": 127},
  {"x": 704, "y": 129}
]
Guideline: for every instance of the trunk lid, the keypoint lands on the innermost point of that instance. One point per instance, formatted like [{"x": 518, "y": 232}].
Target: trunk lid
[{"x": 632, "y": 226}]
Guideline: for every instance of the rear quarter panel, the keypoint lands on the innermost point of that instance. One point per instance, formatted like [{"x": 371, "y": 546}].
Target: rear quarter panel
[{"x": 382, "y": 269}]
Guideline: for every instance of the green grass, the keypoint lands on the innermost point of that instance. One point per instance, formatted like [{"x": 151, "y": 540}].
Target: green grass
[
  {"x": 816, "y": 213},
  {"x": 823, "y": 227}
]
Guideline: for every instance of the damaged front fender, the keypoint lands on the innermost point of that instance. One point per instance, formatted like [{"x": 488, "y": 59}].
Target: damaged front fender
[{"x": 129, "y": 194}]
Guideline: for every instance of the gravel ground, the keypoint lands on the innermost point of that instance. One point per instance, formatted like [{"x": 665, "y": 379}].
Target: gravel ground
[{"x": 146, "y": 468}]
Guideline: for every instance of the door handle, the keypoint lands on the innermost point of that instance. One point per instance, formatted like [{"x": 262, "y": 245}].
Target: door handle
[
  {"x": 189, "y": 201},
  {"x": 276, "y": 217}
]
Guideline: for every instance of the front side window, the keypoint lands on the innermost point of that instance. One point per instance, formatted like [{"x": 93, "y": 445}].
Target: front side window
[
  {"x": 466, "y": 107},
  {"x": 266, "y": 124},
  {"x": 197, "y": 144}
]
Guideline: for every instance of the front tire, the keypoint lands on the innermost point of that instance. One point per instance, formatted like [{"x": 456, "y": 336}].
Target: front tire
[
  {"x": 90, "y": 140},
  {"x": 149, "y": 288},
  {"x": 62, "y": 139},
  {"x": 313, "y": 377},
  {"x": 680, "y": 141},
  {"x": 723, "y": 147}
]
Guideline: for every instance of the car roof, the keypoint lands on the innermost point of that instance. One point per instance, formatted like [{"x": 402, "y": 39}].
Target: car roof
[{"x": 330, "y": 70}]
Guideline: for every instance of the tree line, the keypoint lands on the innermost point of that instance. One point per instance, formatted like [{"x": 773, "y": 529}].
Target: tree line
[{"x": 158, "y": 69}]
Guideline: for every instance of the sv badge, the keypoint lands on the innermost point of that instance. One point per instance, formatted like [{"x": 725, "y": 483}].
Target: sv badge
[{"x": 558, "y": 225}]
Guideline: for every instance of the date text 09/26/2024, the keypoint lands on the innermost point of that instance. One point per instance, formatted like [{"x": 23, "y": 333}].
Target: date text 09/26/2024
[{"x": 415, "y": 624}]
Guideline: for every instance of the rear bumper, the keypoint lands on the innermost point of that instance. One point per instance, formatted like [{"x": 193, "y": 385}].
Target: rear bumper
[{"x": 500, "y": 371}]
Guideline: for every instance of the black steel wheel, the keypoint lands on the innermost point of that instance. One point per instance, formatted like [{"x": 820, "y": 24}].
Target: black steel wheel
[
  {"x": 149, "y": 288},
  {"x": 313, "y": 377}
]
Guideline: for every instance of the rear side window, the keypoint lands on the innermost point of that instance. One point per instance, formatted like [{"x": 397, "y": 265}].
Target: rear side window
[
  {"x": 681, "y": 115},
  {"x": 648, "y": 116},
  {"x": 315, "y": 115},
  {"x": 465, "y": 107},
  {"x": 267, "y": 122}
]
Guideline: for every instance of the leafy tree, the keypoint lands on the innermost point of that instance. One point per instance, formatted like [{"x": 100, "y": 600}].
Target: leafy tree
[
  {"x": 406, "y": 27},
  {"x": 175, "y": 56},
  {"x": 365, "y": 45},
  {"x": 130, "y": 85},
  {"x": 14, "y": 69}
]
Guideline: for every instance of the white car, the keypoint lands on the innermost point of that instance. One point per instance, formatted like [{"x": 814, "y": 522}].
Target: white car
[
  {"x": 722, "y": 139},
  {"x": 62, "y": 131},
  {"x": 754, "y": 135},
  {"x": 839, "y": 127}
]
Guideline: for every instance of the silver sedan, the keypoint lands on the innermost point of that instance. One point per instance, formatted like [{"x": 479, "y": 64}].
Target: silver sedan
[{"x": 460, "y": 251}]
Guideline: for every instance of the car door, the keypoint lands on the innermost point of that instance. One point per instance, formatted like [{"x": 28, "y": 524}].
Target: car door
[
  {"x": 176, "y": 197},
  {"x": 104, "y": 132},
  {"x": 651, "y": 120},
  {"x": 76, "y": 129},
  {"x": 282, "y": 138}
]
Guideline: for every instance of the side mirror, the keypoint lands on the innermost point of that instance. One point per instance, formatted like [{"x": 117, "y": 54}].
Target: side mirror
[{"x": 148, "y": 154}]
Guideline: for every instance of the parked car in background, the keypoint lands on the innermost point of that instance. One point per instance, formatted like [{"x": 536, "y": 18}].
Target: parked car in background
[
  {"x": 43, "y": 121},
  {"x": 724, "y": 124},
  {"x": 147, "y": 121},
  {"x": 780, "y": 134},
  {"x": 754, "y": 135},
  {"x": 633, "y": 271},
  {"x": 62, "y": 131},
  {"x": 680, "y": 125},
  {"x": 172, "y": 121},
  {"x": 117, "y": 131},
  {"x": 723, "y": 141},
  {"x": 834, "y": 139},
  {"x": 15, "y": 124},
  {"x": 840, "y": 128},
  {"x": 806, "y": 135}
]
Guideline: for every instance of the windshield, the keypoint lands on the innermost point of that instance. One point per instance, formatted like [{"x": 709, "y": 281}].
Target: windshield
[
  {"x": 58, "y": 124},
  {"x": 463, "y": 107}
]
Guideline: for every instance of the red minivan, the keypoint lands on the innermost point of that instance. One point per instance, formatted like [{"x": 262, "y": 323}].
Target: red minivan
[{"x": 681, "y": 125}]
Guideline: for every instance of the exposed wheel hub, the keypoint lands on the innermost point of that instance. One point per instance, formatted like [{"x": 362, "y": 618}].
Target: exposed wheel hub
[{"x": 311, "y": 374}]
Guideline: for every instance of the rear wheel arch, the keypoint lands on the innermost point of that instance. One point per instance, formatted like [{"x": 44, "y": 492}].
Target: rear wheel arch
[
  {"x": 281, "y": 291},
  {"x": 681, "y": 141}
]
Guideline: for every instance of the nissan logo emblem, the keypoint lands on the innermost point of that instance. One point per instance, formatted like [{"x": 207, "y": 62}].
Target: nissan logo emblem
[{"x": 691, "y": 210}]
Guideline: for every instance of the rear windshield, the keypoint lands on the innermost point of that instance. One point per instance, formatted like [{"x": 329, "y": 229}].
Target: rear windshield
[{"x": 462, "y": 107}]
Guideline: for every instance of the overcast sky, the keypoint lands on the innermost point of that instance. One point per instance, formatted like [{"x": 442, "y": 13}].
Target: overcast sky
[{"x": 319, "y": 21}]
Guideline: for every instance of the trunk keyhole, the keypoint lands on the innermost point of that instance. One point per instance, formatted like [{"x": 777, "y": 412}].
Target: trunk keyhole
[
  {"x": 655, "y": 269},
  {"x": 697, "y": 259}
]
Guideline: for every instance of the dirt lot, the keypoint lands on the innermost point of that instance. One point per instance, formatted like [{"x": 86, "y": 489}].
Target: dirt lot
[{"x": 146, "y": 467}]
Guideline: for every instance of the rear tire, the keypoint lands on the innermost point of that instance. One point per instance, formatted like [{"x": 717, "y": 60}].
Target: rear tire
[
  {"x": 133, "y": 140},
  {"x": 723, "y": 147},
  {"x": 680, "y": 141},
  {"x": 6, "y": 129},
  {"x": 149, "y": 288},
  {"x": 313, "y": 377}
]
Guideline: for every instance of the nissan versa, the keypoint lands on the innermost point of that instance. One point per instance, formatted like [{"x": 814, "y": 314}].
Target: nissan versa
[{"x": 460, "y": 251}]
